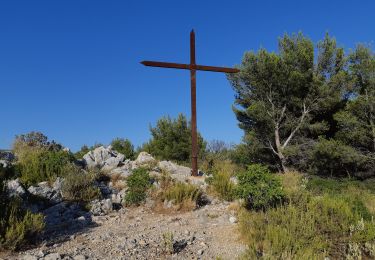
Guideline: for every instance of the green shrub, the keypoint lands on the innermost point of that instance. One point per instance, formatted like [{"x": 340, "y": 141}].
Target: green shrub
[
  {"x": 17, "y": 226},
  {"x": 124, "y": 146},
  {"x": 353, "y": 191},
  {"x": 40, "y": 165},
  {"x": 259, "y": 188},
  {"x": 313, "y": 229},
  {"x": 335, "y": 159},
  {"x": 138, "y": 183},
  {"x": 171, "y": 140},
  {"x": 183, "y": 195},
  {"x": 79, "y": 185}
]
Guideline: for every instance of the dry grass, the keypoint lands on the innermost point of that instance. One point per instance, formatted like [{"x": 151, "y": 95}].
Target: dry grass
[
  {"x": 320, "y": 220},
  {"x": 118, "y": 182}
]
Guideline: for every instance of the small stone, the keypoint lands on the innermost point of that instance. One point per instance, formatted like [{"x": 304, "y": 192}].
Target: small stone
[
  {"x": 79, "y": 257},
  {"x": 81, "y": 219},
  {"x": 30, "y": 257},
  {"x": 53, "y": 256},
  {"x": 41, "y": 253},
  {"x": 233, "y": 220},
  {"x": 142, "y": 243},
  {"x": 200, "y": 252}
]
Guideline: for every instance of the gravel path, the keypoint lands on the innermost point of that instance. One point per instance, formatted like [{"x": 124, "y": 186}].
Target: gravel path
[{"x": 137, "y": 233}]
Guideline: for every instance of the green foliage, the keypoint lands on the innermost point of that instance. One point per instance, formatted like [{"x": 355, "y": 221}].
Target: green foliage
[
  {"x": 283, "y": 97},
  {"x": 333, "y": 158},
  {"x": 79, "y": 185},
  {"x": 310, "y": 226},
  {"x": 39, "y": 159},
  {"x": 124, "y": 146},
  {"x": 171, "y": 140},
  {"x": 39, "y": 165},
  {"x": 138, "y": 183},
  {"x": 259, "y": 188},
  {"x": 17, "y": 226},
  {"x": 35, "y": 140}
]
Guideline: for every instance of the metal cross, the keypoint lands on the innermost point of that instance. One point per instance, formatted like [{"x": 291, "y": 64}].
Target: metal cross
[{"x": 193, "y": 67}]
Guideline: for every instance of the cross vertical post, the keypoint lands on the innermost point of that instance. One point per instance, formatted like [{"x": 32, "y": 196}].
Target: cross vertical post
[
  {"x": 193, "y": 67},
  {"x": 194, "y": 137}
]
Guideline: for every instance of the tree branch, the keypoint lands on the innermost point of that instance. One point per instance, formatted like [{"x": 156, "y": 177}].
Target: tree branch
[
  {"x": 304, "y": 113},
  {"x": 271, "y": 147}
]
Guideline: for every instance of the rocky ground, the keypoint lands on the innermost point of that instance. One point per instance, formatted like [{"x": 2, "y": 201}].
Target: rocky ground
[
  {"x": 111, "y": 231},
  {"x": 137, "y": 233}
]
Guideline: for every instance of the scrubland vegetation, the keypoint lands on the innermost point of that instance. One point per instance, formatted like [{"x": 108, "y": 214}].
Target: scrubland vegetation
[
  {"x": 303, "y": 175},
  {"x": 17, "y": 225}
]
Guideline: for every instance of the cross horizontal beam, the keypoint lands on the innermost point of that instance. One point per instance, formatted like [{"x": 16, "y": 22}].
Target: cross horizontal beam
[{"x": 188, "y": 66}]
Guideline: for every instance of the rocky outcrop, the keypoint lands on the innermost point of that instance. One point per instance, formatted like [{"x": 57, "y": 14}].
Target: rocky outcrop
[
  {"x": 101, "y": 207},
  {"x": 144, "y": 159},
  {"x": 178, "y": 173},
  {"x": 50, "y": 193},
  {"x": 6, "y": 158},
  {"x": 173, "y": 168},
  {"x": 113, "y": 162},
  {"x": 125, "y": 170},
  {"x": 16, "y": 189},
  {"x": 103, "y": 158},
  {"x": 66, "y": 213}
]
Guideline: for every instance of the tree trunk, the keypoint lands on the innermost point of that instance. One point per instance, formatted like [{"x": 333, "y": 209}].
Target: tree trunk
[{"x": 279, "y": 151}]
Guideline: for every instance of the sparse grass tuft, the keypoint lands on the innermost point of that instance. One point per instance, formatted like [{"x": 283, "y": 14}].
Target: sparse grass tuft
[
  {"x": 185, "y": 196},
  {"x": 222, "y": 186},
  {"x": 168, "y": 242}
]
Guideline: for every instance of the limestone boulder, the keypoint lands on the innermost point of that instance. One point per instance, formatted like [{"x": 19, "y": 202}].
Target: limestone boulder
[
  {"x": 51, "y": 193},
  {"x": 144, "y": 159},
  {"x": 16, "y": 189},
  {"x": 103, "y": 158}
]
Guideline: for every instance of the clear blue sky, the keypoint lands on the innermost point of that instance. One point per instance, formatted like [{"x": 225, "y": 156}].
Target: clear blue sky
[{"x": 71, "y": 68}]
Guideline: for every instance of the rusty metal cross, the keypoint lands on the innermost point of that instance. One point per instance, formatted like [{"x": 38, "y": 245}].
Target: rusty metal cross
[{"x": 193, "y": 67}]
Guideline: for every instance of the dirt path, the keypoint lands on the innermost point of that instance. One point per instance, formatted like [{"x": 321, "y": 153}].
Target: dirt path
[{"x": 137, "y": 233}]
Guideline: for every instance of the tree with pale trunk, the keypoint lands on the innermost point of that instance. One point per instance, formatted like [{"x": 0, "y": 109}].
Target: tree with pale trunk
[{"x": 282, "y": 97}]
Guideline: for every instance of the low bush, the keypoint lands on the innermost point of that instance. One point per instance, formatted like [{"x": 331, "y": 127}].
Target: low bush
[
  {"x": 222, "y": 186},
  {"x": 17, "y": 226},
  {"x": 79, "y": 185},
  {"x": 184, "y": 196},
  {"x": 317, "y": 228},
  {"x": 333, "y": 158},
  {"x": 259, "y": 188},
  {"x": 124, "y": 146},
  {"x": 40, "y": 165},
  {"x": 171, "y": 140},
  {"x": 138, "y": 183}
]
